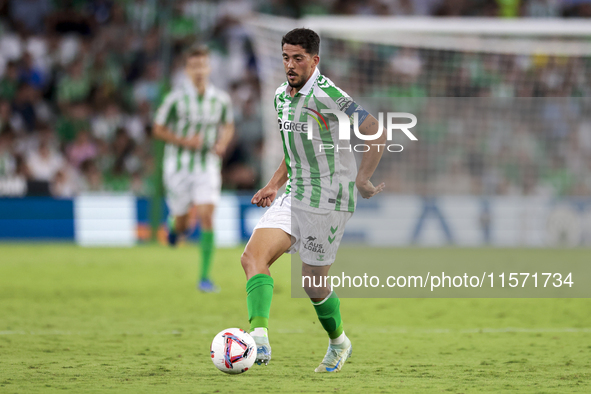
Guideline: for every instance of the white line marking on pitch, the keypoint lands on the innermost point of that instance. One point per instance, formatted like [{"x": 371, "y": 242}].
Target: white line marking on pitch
[{"x": 286, "y": 331}]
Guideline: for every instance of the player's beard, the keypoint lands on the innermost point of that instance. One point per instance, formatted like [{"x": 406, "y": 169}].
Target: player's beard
[{"x": 298, "y": 84}]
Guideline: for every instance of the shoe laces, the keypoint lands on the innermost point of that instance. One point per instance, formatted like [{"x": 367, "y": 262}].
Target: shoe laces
[{"x": 331, "y": 356}]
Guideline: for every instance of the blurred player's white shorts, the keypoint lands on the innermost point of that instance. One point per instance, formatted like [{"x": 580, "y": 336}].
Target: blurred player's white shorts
[
  {"x": 184, "y": 188},
  {"x": 316, "y": 236}
]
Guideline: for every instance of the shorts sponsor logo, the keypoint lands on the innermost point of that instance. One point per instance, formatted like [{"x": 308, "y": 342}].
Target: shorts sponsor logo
[{"x": 313, "y": 246}]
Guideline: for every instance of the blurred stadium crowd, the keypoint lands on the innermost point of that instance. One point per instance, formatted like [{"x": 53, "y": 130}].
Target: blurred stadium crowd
[
  {"x": 489, "y": 123},
  {"x": 482, "y": 8},
  {"x": 80, "y": 80}
]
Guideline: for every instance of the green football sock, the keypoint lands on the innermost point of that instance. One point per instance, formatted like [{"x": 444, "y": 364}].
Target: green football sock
[
  {"x": 207, "y": 248},
  {"x": 329, "y": 314},
  {"x": 259, "y": 293}
]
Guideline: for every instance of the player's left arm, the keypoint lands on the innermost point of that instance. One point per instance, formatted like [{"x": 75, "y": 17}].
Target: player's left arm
[
  {"x": 370, "y": 159},
  {"x": 227, "y": 131}
]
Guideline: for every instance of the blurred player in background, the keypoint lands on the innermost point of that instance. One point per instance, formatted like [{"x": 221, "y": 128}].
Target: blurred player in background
[
  {"x": 196, "y": 122},
  {"x": 319, "y": 199}
]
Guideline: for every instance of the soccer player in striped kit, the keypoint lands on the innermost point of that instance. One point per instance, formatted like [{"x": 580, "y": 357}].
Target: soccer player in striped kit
[
  {"x": 320, "y": 196},
  {"x": 196, "y": 122}
]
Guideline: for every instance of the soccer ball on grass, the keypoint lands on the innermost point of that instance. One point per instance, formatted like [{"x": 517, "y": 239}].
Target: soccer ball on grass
[{"x": 233, "y": 351}]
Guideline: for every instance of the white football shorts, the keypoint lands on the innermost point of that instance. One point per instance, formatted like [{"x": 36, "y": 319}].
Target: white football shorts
[
  {"x": 316, "y": 236},
  {"x": 184, "y": 188}
]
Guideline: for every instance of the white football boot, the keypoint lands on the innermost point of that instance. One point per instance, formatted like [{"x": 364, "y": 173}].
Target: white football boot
[
  {"x": 263, "y": 350},
  {"x": 335, "y": 357}
]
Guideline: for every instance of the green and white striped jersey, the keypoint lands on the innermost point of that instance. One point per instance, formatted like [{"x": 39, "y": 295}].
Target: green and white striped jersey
[
  {"x": 186, "y": 114},
  {"x": 319, "y": 177}
]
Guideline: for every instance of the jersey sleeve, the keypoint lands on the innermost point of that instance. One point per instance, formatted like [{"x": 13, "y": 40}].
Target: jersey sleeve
[
  {"x": 350, "y": 108},
  {"x": 167, "y": 110},
  {"x": 341, "y": 101},
  {"x": 278, "y": 92}
]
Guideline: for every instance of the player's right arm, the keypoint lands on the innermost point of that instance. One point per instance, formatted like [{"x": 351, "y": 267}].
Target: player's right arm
[
  {"x": 167, "y": 114},
  {"x": 162, "y": 132},
  {"x": 265, "y": 196}
]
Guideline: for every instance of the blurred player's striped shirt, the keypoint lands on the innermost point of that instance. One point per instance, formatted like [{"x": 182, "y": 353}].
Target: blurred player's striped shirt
[
  {"x": 187, "y": 114},
  {"x": 321, "y": 179}
]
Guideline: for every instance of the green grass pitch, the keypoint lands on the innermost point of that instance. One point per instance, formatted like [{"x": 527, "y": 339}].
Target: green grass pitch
[{"x": 130, "y": 320}]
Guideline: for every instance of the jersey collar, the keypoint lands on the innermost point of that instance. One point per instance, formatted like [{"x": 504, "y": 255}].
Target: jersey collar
[
  {"x": 193, "y": 90},
  {"x": 306, "y": 88}
]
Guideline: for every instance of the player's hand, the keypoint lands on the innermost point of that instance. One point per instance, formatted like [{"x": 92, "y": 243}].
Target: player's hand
[
  {"x": 194, "y": 143},
  {"x": 264, "y": 197},
  {"x": 219, "y": 150},
  {"x": 367, "y": 189}
]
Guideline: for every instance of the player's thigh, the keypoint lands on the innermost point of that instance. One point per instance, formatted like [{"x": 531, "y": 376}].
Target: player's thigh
[
  {"x": 207, "y": 186},
  {"x": 321, "y": 235},
  {"x": 265, "y": 246},
  {"x": 177, "y": 187},
  {"x": 205, "y": 209}
]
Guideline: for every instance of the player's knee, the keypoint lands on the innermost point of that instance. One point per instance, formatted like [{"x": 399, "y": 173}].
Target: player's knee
[
  {"x": 206, "y": 219},
  {"x": 207, "y": 223},
  {"x": 247, "y": 260},
  {"x": 181, "y": 223}
]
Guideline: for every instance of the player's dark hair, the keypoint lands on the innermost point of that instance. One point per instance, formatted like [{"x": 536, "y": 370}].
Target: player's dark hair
[
  {"x": 306, "y": 38},
  {"x": 196, "y": 51}
]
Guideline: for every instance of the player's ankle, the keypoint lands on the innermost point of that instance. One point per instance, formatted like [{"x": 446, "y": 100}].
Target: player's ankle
[
  {"x": 260, "y": 332},
  {"x": 338, "y": 340}
]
